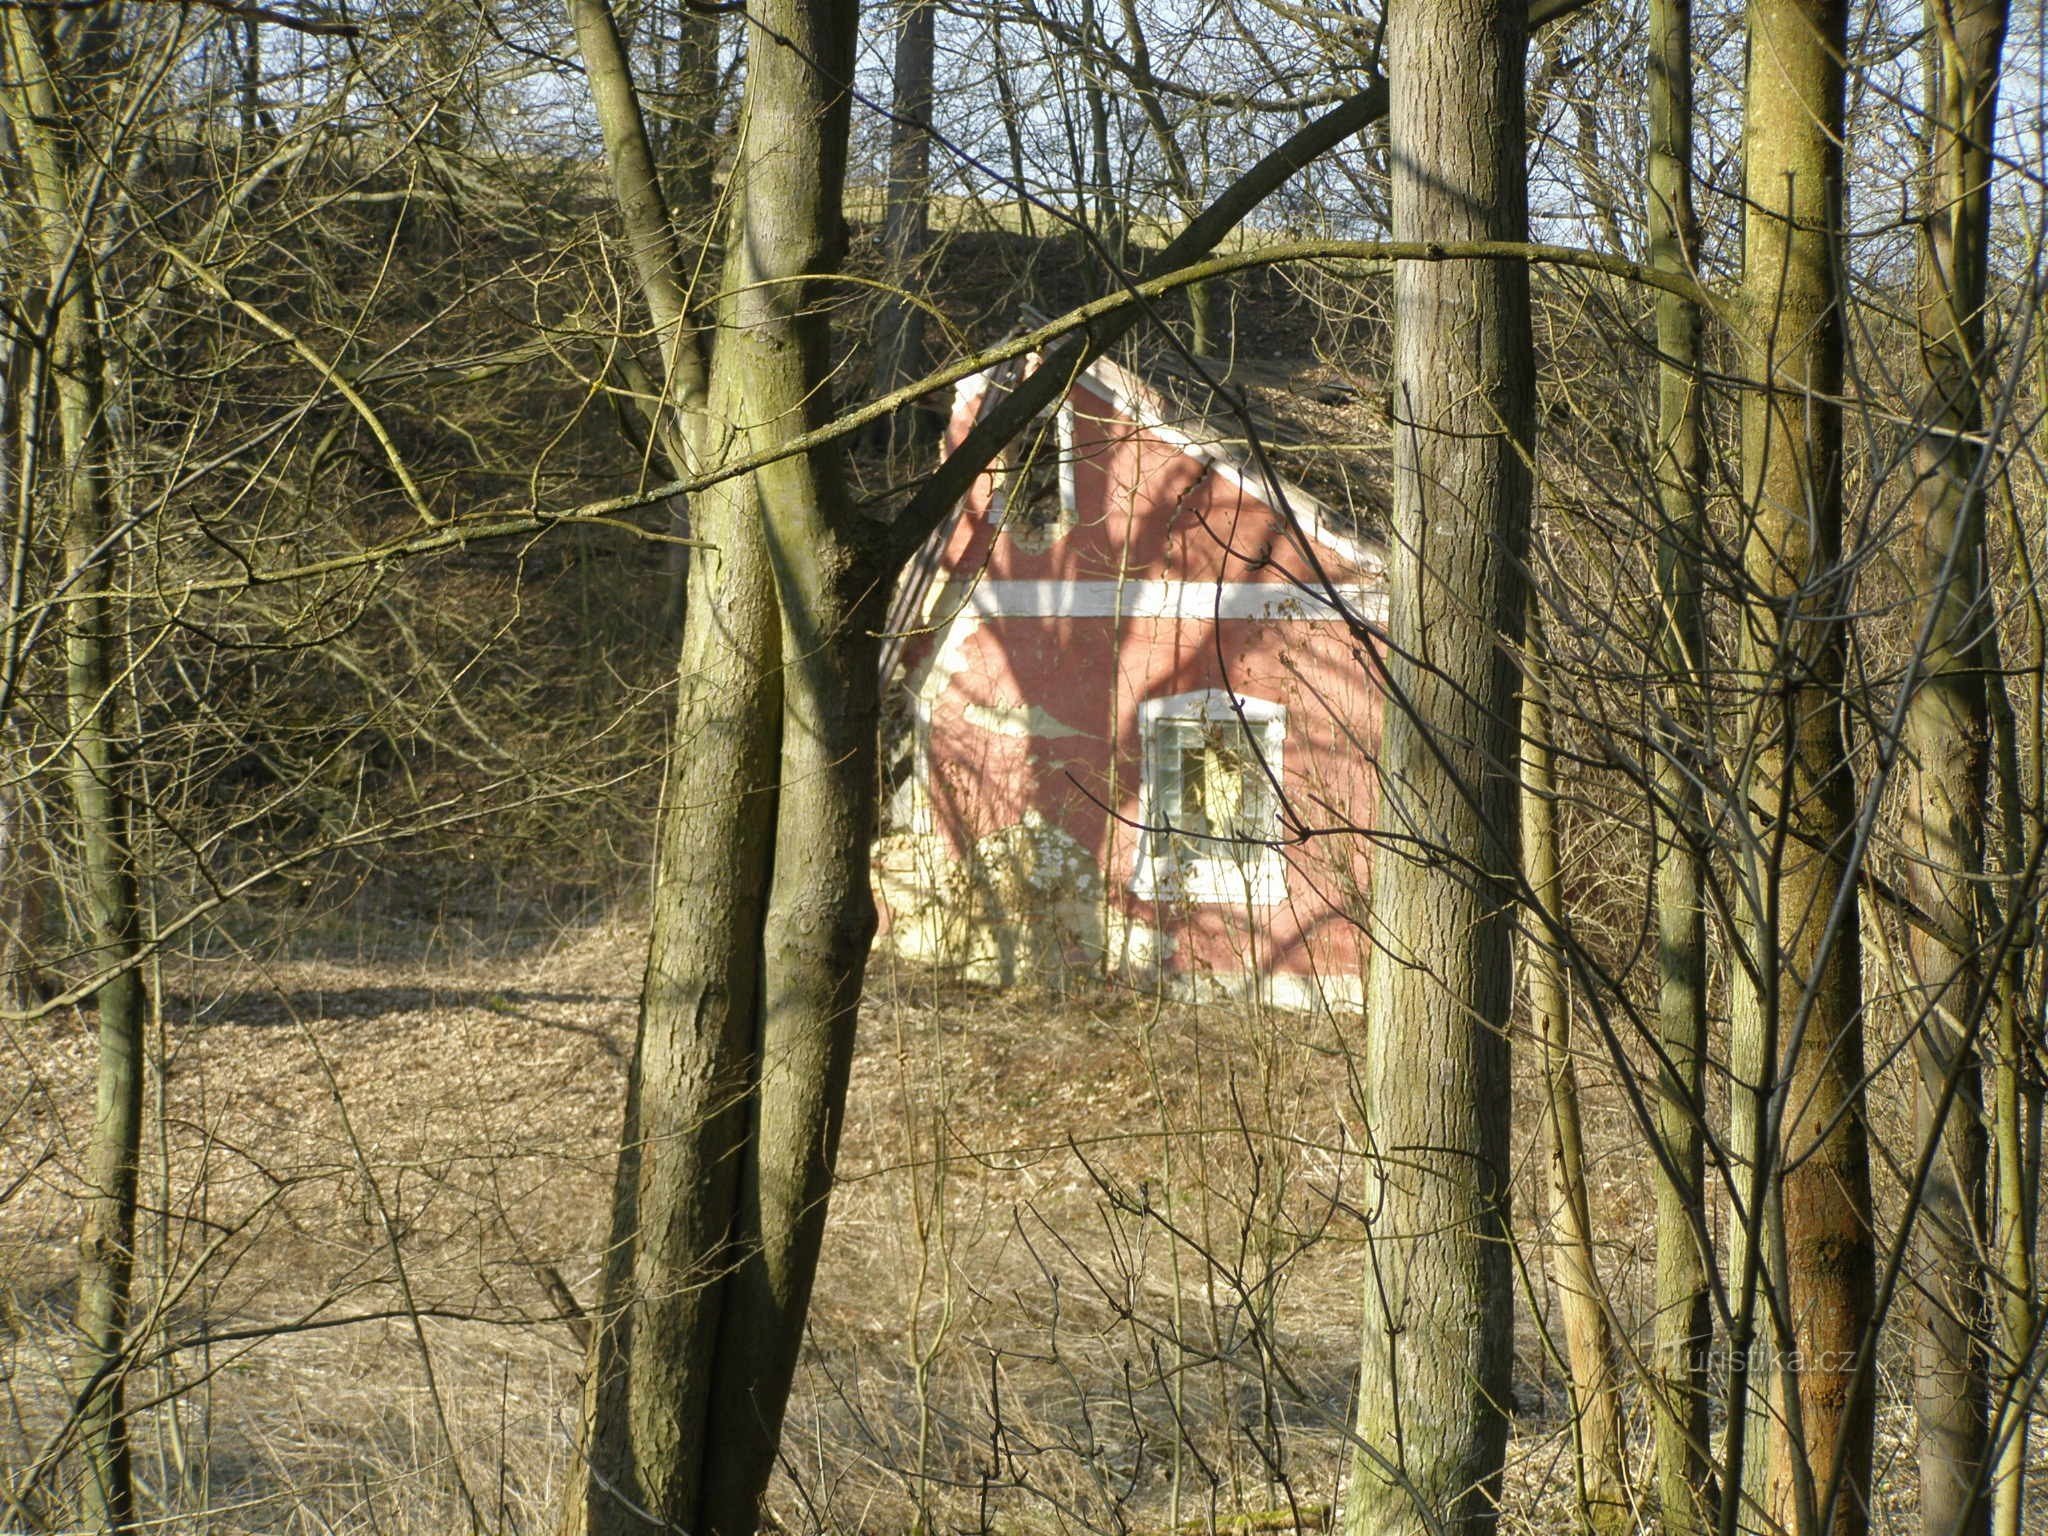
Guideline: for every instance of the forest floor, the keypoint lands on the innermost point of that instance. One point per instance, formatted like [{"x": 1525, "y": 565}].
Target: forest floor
[{"x": 1093, "y": 1262}]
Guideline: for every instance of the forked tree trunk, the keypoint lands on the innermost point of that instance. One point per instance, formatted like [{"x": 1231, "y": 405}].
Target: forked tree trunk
[
  {"x": 45, "y": 130},
  {"x": 1948, "y": 740},
  {"x": 1798, "y": 1033},
  {"x": 648, "y": 1422},
  {"x": 1433, "y": 1395},
  {"x": 762, "y": 912},
  {"x": 819, "y": 918},
  {"x": 1684, "y": 1327},
  {"x": 1574, "y": 1272}
]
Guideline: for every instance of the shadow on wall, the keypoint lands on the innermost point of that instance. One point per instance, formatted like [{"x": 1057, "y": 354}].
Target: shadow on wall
[{"x": 1027, "y": 904}]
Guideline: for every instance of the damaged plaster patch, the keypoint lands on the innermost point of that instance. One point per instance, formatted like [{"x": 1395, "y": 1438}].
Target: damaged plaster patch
[
  {"x": 1026, "y": 904},
  {"x": 1020, "y": 720},
  {"x": 953, "y": 613}
]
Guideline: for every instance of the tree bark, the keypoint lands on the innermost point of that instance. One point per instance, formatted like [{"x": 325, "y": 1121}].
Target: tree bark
[
  {"x": 686, "y": 158},
  {"x": 1948, "y": 740},
  {"x": 2015, "y": 1145},
  {"x": 22, "y": 984},
  {"x": 1798, "y": 1043},
  {"x": 108, "y": 886},
  {"x": 1684, "y": 1328},
  {"x": 1433, "y": 1394},
  {"x": 820, "y": 917},
  {"x": 674, "y": 1211},
  {"x": 1598, "y": 1436}
]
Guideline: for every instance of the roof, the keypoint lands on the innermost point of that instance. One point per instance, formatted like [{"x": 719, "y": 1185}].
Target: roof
[
  {"x": 1293, "y": 429},
  {"x": 1319, "y": 434},
  {"x": 1296, "y": 435}
]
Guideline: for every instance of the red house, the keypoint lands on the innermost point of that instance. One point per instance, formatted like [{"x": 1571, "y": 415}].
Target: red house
[{"x": 1143, "y": 708}]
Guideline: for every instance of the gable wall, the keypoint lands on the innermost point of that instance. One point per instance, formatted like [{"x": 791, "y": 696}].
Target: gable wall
[{"x": 1030, "y": 697}]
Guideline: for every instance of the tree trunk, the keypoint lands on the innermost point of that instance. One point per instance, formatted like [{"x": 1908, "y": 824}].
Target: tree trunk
[
  {"x": 22, "y": 984},
  {"x": 687, "y": 154},
  {"x": 2018, "y": 1097},
  {"x": 762, "y": 912},
  {"x": 1947, "y": 739},
  {"x": 1013, "y": 130},
  {"x": 648, "y": 1390},
  {"x": 1589, "y": 1347},
  {"x": 1207, "y": 313},
  {"x": 820, "y": 914},
  {"x": 1799, "y": 1036},
  {"x": 1433, "y": 1395},
  {"x": 1107, "y": 213},
  {"x": 108, "y": 887},
  {"x": 2015, "y": 1121},
  {"x": 1684, "y": 1328},
  {"x": 2017, "y": 1189},
  {"x": 900, "y": 341},
  {"x": 255, "y": 118},
  {"x": 46, "y": 133}
]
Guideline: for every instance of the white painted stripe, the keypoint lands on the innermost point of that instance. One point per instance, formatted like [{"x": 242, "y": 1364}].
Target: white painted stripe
[{"x": 1194, "y": 601}]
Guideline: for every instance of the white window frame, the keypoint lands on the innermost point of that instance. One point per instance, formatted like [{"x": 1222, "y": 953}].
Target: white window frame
[{"x": 1242, "y": 872}]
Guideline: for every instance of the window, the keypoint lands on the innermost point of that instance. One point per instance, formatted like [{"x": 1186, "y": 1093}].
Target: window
[
  {"x": 1209, "y": 811},
  {"x": 1034, "y": 496}
]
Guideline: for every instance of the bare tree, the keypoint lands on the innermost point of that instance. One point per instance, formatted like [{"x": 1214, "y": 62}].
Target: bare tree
[
  {"x": 51, "y": 73},
  {"x": 1797, "y": 1049},
  {"x": 265, "y": 471},
  {"x": 762, "y": 911},
  {"x": 900, "y": 349},
  {"x": 1948, "y": 734},
  {"x": 1432, "y": 1415},
  {"x": 1597, "y": 1428},
  {"x": 1684, "y": 1295}
]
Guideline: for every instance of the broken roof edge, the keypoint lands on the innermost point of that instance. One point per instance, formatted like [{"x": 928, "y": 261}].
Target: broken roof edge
[
  {"x": 1137, "y": 399},
  {"x": 1148, "y": 410}
]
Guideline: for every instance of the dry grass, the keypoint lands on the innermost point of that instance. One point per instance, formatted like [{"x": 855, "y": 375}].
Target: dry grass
[{"x": 1093, "y": 1264}]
